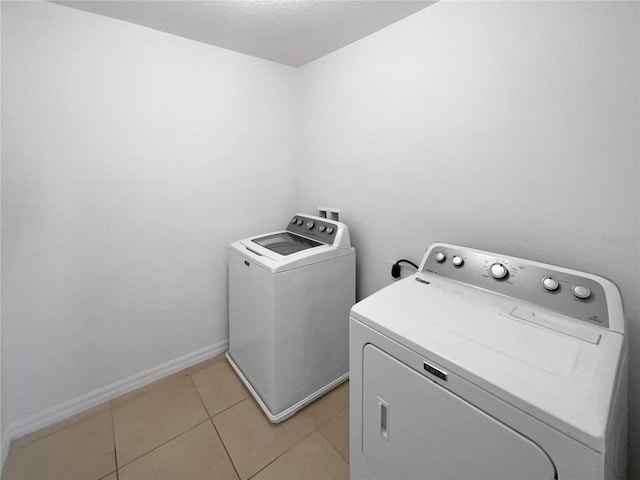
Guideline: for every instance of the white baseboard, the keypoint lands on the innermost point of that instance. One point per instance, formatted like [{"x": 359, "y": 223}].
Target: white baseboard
[
  {"x": 4, "y": 448},
  {"x": 79, "y": 404}
]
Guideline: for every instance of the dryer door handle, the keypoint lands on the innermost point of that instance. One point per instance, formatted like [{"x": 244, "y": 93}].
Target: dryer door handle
[{"x": 384, "y": 418}]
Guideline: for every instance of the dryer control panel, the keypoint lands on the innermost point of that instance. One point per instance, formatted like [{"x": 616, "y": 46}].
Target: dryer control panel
[{"x": 558, "y": 289}]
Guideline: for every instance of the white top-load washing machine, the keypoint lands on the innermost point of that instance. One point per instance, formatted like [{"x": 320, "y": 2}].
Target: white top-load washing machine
[
  {"x": 290, "y": 293},
  {"x": 486, "y": 366}
]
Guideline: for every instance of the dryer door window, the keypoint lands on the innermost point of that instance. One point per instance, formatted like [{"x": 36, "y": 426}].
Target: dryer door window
[{"x": 415, "y": 429}]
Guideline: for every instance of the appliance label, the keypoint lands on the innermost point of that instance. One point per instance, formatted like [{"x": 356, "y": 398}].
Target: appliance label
[{"x": 435, "y": 371}]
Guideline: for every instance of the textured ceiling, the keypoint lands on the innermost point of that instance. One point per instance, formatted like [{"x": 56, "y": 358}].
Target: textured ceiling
[{"x": 292, "y": 32}]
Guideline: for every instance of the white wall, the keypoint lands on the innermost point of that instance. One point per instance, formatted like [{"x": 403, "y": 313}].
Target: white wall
[
  {"x": 130, "y": 160},
  {"x": 506, "y": 126}
]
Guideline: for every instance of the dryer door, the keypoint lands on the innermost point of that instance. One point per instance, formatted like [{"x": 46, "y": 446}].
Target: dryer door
[{"x": 415, "y": 429}]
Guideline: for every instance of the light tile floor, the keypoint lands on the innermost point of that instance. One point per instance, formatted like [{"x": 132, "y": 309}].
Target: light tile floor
[{"x": 200, "y": 423}]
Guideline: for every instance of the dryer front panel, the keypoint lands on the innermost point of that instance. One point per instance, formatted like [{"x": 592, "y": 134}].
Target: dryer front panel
[{"x": 414, "y": 428}]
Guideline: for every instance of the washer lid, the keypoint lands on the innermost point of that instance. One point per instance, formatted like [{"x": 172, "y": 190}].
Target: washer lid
[
  {"x": 277, "y": 263},
  {"x": 564, "y": 377},
  {"x": 285, "y": 243}
]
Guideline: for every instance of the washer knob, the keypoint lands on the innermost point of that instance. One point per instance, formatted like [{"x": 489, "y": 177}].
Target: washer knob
[
  {"x": 457, "y": 261},
  {"x": 294, "y": 221},
  {"x": 299, "y": 222},
  {"x": 498, "y": 271},
  {"x": 322, "y": 228},
  {"x": 440, "y": 257},
  {"x": 329, "y": 230},
  {"x": 310, "y": 224},
  {"x": 580, "y": 291},
  {"x": 550, "y": 284}
]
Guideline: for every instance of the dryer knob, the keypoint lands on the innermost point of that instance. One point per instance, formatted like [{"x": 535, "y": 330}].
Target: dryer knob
[
  {"x": 329, "y": 230},
  {"x": 457, "y": 261},
  {"x": 294, "y": 221},
  {"x": 580, "y": 291},
  {"x": 310, "y": 224},
  {"x": 440, "y": 257},
  {"x": 322, "y": 228},
  {"x": 550, "y": 284},
  {"x": 299, "y": 222},
  {"x": 498, "y": 271}
]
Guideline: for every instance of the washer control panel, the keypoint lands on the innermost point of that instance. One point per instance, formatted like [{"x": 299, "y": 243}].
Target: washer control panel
[
  {"x": 569, "y": 294},
  {"x": 319, "y": 230}
]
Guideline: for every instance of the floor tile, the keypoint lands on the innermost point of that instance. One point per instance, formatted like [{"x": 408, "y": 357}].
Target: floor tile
[
  {"x": 43, "y": 432},
  {"x": 111, "y": 476},
  {"x": 251, "y": 440},
  {"x": 199, "y": 366},
  {"x": 81, "y": 451},
  {"x": 151, "y": 419},
  {"x": 326, "y": 407},
  {"x": 194, "y": 455},
  {"x": 219, "y": 387},
  {"x": 336, "y": 431},
  {"x": 312, "y": 459},
  {"x": 147, "y": 388}
]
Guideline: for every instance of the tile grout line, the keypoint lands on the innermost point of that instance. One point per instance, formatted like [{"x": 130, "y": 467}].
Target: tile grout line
[
  {"x": 202, "y": 400},
  {"x": 327, "y": 438},
  {"x": 109, "y": 474},
  {"x": 177, "y": 374},
  {"x": 60, "y": 429},
  {"x": 110, "y": 407},
  {"x": 115, "y": 447},
  {"x": 332, "y": 418},
  {"x": 334, "y": 447},
  {"x": 152, "y": 387},
  {"x": 225, "y": 448},
  {"x": 214, "y": 425},
  {"x": 181, "y": 372},
  {"x": 316, "y": 429},
  {"x": 162, "y": 444},
  {"x": 227, "y": 408},
  {"x": 291, "y": 447}
]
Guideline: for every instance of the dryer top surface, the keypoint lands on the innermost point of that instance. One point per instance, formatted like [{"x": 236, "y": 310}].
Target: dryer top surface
[{"x": 559, "y": 369}]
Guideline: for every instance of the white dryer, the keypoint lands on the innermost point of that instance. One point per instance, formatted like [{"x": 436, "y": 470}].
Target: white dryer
[
  {"x": 289, "y": 298},
  {"x": 486, "y": 366}
]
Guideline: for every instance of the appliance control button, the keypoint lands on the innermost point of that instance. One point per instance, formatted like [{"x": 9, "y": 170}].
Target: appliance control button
[
  {"x": 310, "y": 224},
  {"x": 322, "y": 228},
  {"x": 457, "y": 261},
  {"x": 550, "y": 284},
  {"x": 440, "y": 257},
  {"x": 294, "y": 221},
  {"x": 299, "y": 222},
  {"x": 498, "y": 271},
  {"x": 329, "y": 230},
  {"x": 581, "y": 291}
]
